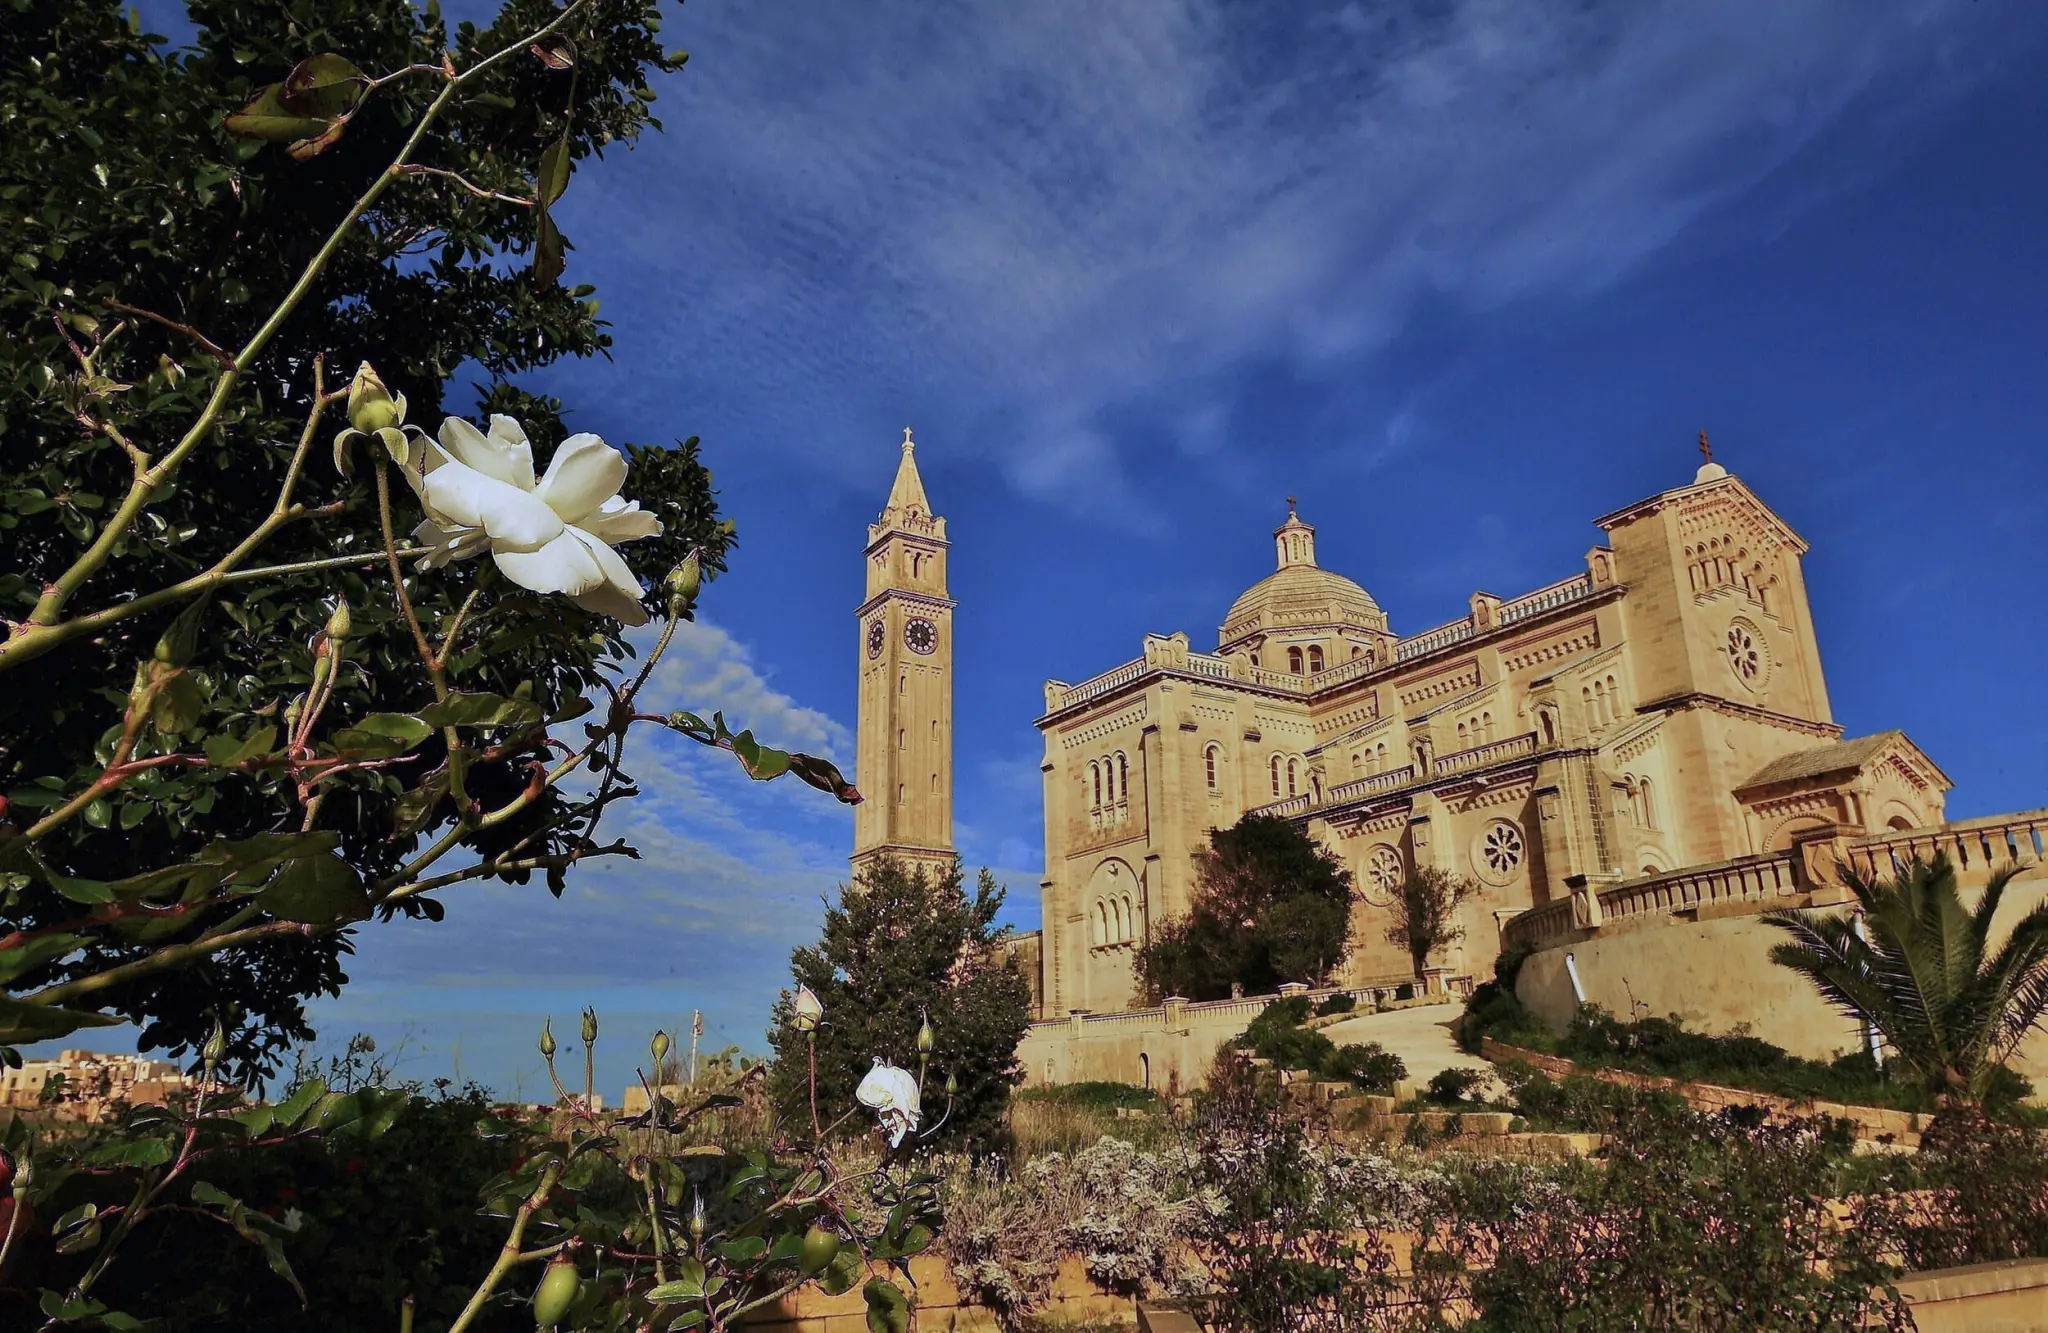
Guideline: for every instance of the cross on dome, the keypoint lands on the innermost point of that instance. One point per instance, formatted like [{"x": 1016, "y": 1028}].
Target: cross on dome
[
  {"x": 906, "y": 439},
  {"x": 1709, "y": 470}
]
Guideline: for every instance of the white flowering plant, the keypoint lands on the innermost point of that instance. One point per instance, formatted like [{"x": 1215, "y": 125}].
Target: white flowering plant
[{"x": 344, "y": 812}]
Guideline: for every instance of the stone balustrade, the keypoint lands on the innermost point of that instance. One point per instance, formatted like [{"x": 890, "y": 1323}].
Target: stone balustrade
[{"x": 1485, "y": 756}]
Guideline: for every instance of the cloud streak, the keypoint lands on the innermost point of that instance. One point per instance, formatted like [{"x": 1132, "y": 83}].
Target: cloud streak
[{"x": 1042, "y": 223}]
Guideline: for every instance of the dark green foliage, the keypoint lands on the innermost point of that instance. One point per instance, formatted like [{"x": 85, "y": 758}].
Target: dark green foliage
[
  {"x": 1101, "y": 1098},
  {"x": 1493, "y": 1010},
  {"x": 1277, "y": 1035},
  {"x": 1452, "y": 1086},
  {"x": 1917, "y": 965},
  {"x": 902, "y": 942},
  {"x": 375, "y": 1224},
  {"x": 117, "y": 183},
  {"x": 1340, "y": 1003},
  {"x": 1984, "y": 1193},
  {"x": 1270, "y": 906},
  {"x": 1367, "y": 1065}
]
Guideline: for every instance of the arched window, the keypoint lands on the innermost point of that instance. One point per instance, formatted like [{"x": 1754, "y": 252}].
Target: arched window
[
  {"x": 1380, "y": 757},
  {"x": 1095, "y": 780},
  {"x": 1290, "y": 777},
  {"x": 1647, "y": 794},
  {"x": 902, "y": 737},
  {"x": 935, "y": 782},
  {"x": 899, "y": 793},
  {"x": 1276, "y": 776},
  {"x": 1315, "y": 658},
  {"x": 1600, "y": 702},
  {"x": 1101, "y": 923},
  {"x": 1613, "y": 699},
  {"x": 1294, "y": 661},
  {"x": 903, "y": 683},
  {"x": 1461, "y": 735},
  {"x": 1549, "y": 722},
  {"x": 1123, "y": 778},
  {"x": 1255, "y": 659},
  {"x": 1357, "y": 763},
  {"x": 1586, "y": 699},
  {"x": 1209, "y": 765},
  {"x": 1486, "y": 725},
  {"x": 1356, "y": 652},
  {"x": 1130, "y": 919},
  {"x": 1144, "y": 1070}
]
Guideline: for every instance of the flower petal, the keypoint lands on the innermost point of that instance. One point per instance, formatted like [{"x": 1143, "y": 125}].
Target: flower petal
[
  {"x": 584, "y": 473},
  {"x": 503, "y": 455},
  {"x": 516, "y": 519},
  {"x": 623, "y": 601},
  {"x": 618, "y": 521},
  {"x": 563, "y": 565}
]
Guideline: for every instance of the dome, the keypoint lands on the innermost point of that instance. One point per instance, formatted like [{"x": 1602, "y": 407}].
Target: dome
[{"x": 1299, "y": 594}]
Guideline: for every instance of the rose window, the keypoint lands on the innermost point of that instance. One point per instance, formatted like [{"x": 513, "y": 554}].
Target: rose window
[
  {"x": 1743, "y": 654},
  {"x": 1382, "y": 875},
  {"x": 1500, "y": 850}
]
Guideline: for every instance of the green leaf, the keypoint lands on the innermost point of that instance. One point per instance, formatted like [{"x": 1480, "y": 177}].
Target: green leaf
[
  {"x": 293, "y": 1108},
  {"x": 548, "y": 262},
  {"x": 25, "y": 958},
  {"x": 917, "y": 1239},
  {"x": 323, "y": 85},
  {"x": 840, "y": 1275},
  {"x": 179, "y": 702},
  {"x": 763, "y": 763},
  {"x": 416, "y": 808},
  {"x": 381, "y": 735},
  {"x": 888, "y": 1307},
  {"x": 78, "y": 1230},
  {"x": 23, "y": 1022},
  {"x": 688, "y": 1284},
  {"x": 88, "y": 891},
  {"x": 480, "y": 710},
  {"x": 744, "y": 1250},
  {"x": 252, "y": 859},
  {"x": 553, "y": 178},
  {"x": 318, "y": 890},
  {"x": 225, "y": 751},
  {"x": 267, "y": 117}
]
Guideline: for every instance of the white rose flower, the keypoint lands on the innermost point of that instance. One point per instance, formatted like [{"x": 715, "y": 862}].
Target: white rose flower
[
  {"x": 892, "y": 1094},
  {"x": 554, "y": 535}
]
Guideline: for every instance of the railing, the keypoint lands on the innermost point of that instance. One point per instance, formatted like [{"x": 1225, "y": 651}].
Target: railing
[
  {"x": 1443, "y": 636},
  {"x": 1974, "y": 845},
  {"x": 1293, "y": 805},
  {"x": 1096, "y": 686},
  {"x": 1207, "y": 664},
  {"x": 1561, "y": 593},
  {"x": 1367, "y": 786},
  {"x": 1249, "y": 1006},
  {"x": 1482, "y": 756},
  {"x": 1343, "y": 671},
  {"x": 1278, "y": 680},
  {"x": 1752, "y": 879}
]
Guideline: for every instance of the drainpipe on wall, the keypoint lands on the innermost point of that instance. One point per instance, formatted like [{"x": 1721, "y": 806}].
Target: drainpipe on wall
[{"x": 1571, "y": 969}]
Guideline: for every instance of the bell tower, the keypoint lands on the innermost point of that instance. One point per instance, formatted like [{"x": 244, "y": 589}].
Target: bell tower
[{"x": 904, "y": 745}]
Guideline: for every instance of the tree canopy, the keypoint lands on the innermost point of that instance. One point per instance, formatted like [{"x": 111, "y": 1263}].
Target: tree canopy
[
  {"x": 1270, "y": 906},
  {"x": 121, "y": 192},
  {"x": 904, "y": 942}
]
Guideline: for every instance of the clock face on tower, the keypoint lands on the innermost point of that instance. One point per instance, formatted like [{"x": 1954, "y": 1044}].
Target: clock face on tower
[
  {"x": 877, "y": 636},
  {"x": 920, "y": 637}
]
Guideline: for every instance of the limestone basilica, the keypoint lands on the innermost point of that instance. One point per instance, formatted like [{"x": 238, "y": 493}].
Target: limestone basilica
[{"x": 1661, "y": 708}]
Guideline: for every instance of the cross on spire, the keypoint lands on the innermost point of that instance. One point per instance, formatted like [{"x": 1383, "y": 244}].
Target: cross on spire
[
  {"x": 1706, "y": 449},
  {"x": 908, "y": 445},
  {"x": 1290, "y": 507}
]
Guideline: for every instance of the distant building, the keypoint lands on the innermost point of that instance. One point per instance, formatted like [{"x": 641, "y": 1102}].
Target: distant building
[{"x": 87, "y": 1083}]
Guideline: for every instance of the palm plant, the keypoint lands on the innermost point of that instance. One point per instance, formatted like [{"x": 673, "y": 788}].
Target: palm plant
[{"x": 1915, "y": 964}]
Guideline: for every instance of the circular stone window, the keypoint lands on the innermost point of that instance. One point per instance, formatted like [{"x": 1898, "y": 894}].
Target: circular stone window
[
  {"x": 1497, "y": 855},
  {"x": 1747, "y": 657},
  {"x": 1382, "y": 875}
]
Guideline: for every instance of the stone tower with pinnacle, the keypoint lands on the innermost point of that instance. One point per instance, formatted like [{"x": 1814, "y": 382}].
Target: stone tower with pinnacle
[{"x": 904, "y": 741}]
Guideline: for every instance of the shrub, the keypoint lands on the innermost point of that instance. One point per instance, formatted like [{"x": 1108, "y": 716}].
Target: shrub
[
  {"x": 1340, "y": 1003},
  {"x": 1368, "y": 1065},
  {"x": 1453, "y": 1086},
  {"x": 1095, "y": 1095}
]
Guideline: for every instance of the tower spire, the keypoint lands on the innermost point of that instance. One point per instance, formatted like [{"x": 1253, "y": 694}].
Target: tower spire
[{"x": 906, "y": 497}]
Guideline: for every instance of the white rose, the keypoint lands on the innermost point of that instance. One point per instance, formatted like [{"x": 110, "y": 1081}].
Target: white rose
[
  {"x": 892, "y": 1094},
  {"x": 555, "y": 535}
]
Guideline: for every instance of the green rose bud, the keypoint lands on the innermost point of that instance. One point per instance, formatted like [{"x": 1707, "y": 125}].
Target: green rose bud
[
  {"x": 589, "y": 1026},
  {"x": 659, "y": 1046},
  {"x": 952, "y": 1086},
  {"x": 339, "y": 624},
  {"x": 547, "y": 1039},
  {"x": 925, "y": 1038},
  {"x": 699, "y": 1224},
  {"x": 216, "y": 1047},
  {"x": 371, "y": 407},
  {"x": 556, "y": 1292},
  {"x": 683, "y": 583}
]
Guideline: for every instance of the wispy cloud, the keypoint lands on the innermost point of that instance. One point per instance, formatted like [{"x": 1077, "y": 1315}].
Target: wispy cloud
[{"x": 1038, "y": 223}]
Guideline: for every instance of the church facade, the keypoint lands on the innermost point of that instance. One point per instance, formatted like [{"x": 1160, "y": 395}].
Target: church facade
[{"x": 1663, "y": 707}]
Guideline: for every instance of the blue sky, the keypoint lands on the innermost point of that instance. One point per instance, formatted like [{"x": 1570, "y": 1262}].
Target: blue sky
[{"x": 1461, "y": 275}]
